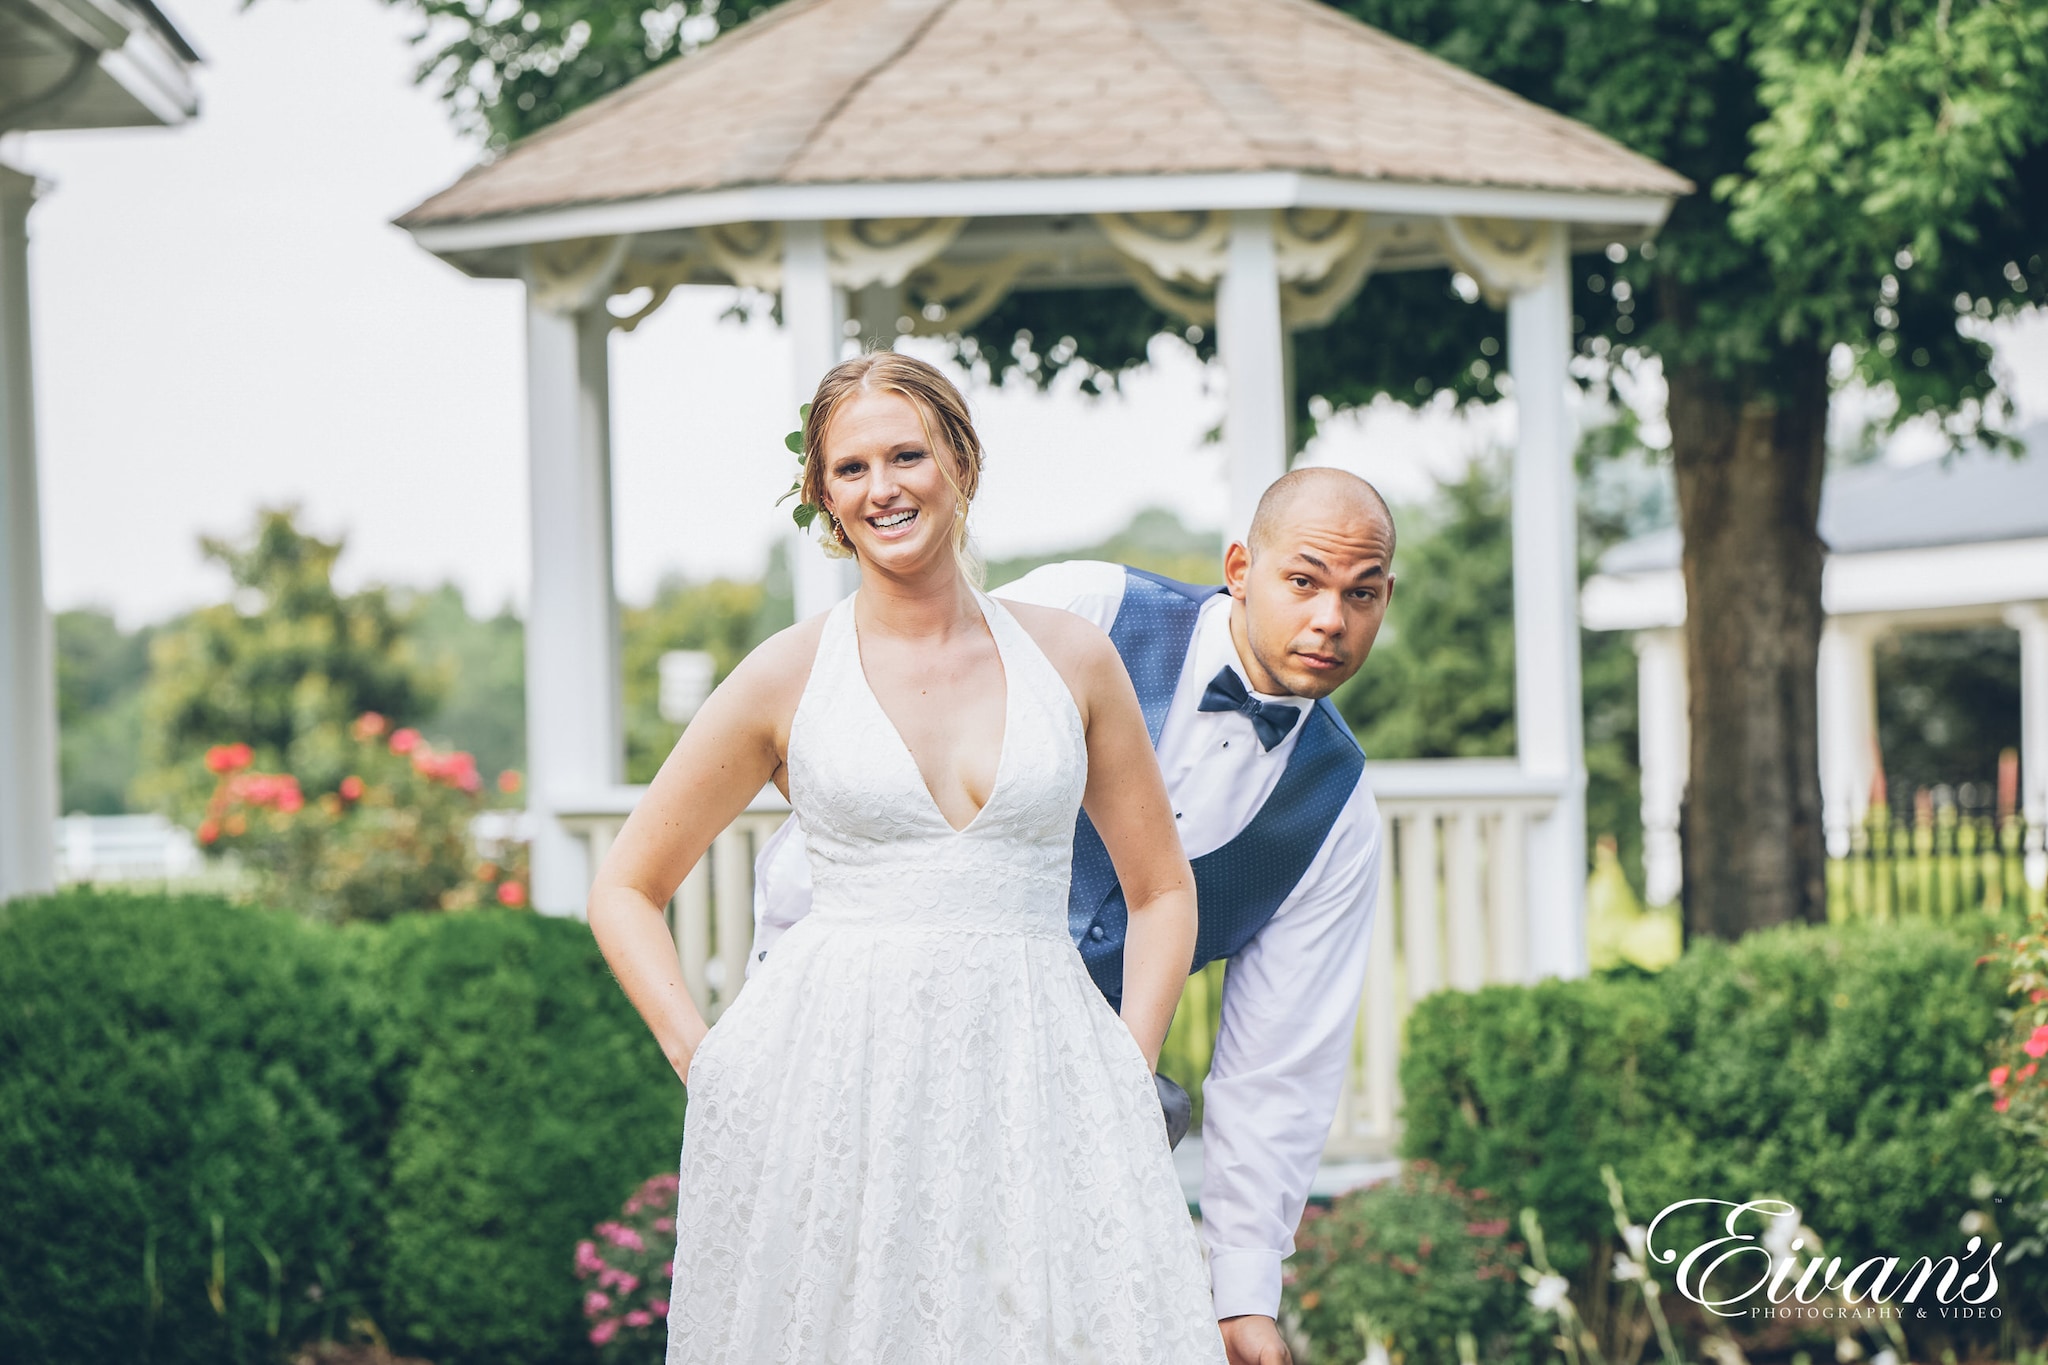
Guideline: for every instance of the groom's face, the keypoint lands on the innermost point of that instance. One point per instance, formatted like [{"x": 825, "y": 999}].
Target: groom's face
[{"x": 1312, "y": 598}]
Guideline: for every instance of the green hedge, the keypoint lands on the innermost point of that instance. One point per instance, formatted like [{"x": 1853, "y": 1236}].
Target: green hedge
[
  {"x": 416, "y": 1120},
  {"x": 1837, "y": 1068}
]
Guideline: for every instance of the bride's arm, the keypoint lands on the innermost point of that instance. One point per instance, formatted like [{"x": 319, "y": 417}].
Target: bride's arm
[
  {"x": 731, "y": 749},
  {"x": 1127, "y": 802}
]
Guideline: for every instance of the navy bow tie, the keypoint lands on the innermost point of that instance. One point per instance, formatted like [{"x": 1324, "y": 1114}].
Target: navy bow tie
[{"x": 1271, "y": 720}]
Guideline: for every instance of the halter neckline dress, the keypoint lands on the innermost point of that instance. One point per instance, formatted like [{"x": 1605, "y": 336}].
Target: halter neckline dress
[{"x": 920, "y": 1135}]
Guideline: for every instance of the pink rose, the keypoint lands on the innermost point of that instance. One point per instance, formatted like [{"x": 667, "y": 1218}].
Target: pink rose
[
  {"x": 628, "y": 1283},
  {"x": 587, "y": 1259},
  {"x": 604, "y": 1331},
  {"x": 658, "y": 1307},
  {"x": 664, "y": 1224},
  {"x": 639, "y": 1317},
  {"x": 2037, "y": 1046},
  {"x": 405, "y": 741},
  {"x": 1998, "y": 1075},
  {"x": 2001, "y": 1104},
  {"x": 595, "y": 1303}
]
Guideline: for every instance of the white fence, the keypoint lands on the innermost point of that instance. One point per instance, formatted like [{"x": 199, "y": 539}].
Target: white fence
[{"x": 1452, "y": 909}]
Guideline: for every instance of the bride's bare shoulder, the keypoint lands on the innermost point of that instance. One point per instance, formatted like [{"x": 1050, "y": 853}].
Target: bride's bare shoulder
[
  {"x": 772, "y": 676},
  {"x": 1077, "y": 647}
]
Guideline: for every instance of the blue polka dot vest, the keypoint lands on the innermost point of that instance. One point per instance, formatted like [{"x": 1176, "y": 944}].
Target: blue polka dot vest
[{"x": 1241, "y": 884}]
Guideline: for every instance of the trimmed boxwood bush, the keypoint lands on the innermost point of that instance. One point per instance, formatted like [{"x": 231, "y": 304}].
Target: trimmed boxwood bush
[
  {"x": 416, "y": 1120},
  {"x": 1838, "y": 1068},
  {"x": 166, "y": 1063},
  {"x": 535, "y": 1103}
]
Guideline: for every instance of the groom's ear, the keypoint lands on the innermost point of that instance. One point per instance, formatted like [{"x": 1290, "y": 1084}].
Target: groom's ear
[{"x": 1237, "y": 562}]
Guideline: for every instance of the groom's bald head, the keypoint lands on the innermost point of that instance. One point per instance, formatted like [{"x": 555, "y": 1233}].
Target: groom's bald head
[
  {"x": 1312, "y": 579},
  {"x": 1325, "y": 493}
]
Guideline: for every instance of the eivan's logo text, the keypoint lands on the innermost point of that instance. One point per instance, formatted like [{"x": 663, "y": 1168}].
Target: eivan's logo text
[{"x": 1759, "y": 1254}]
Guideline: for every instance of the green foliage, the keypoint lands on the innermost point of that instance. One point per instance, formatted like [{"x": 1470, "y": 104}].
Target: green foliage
[
  {"x": 283, "y": 668},
  {"x": 1441, "y": 680},
  {"x": 1840, "y": 1069},
  {"x": 1948, "y": 703},
  {"x": 100, "y": 672},
  {"x": 509, "y": 70},
  {"x": 1868, "y": 175},
  {"x": 725, "y": 618},
  {"x": 535, "y": 1101},
  {"x": 1412, "y": 1265},
  {"x": 484, "y": 709},
  {"x": 1154, "y": 540},
  {"x": 166, "y": 1062},
  {"x": 393, "y": 839},
  {"x": 417, "y": 1119}
]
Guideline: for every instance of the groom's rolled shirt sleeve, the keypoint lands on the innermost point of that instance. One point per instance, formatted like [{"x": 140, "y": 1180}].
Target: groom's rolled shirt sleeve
[{"x": 1290, "y": 1006}]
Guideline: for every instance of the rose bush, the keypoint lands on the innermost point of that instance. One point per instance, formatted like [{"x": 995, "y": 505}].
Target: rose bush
[
  {"x": 392, "y": 835},
  {"x": 627, "y": 1265}
]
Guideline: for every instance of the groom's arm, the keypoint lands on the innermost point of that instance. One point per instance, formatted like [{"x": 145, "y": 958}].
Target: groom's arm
[
  {"x": 1290, "y": 1006},
  {"x": 1090, "y": 588}
]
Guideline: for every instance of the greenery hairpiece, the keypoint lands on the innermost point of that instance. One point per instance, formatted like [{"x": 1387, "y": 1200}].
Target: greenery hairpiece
[{"x": 804, "y": 513}]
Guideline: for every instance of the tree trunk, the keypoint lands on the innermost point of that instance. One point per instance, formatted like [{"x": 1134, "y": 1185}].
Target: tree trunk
[{"x": 1749, "y": 454}]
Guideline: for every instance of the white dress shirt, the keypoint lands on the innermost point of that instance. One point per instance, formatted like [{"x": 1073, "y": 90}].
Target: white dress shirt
[{"x": 1290, "y": 996}]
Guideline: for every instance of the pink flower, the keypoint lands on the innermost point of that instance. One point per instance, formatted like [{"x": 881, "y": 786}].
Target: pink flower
[
  {"x": 587, "y": 1259},
  {"x": 404, "y": 741},
  {"x": 2002, "y": 1103},
  {"x": 227, "y": 758},
  {"x": 367, "y": 726},
  {"x": 2026, "y": 1073},
  {"x": 658, "y": 1307},
  {"x": 627, "y": 1283},
  {"x": 508, "y": 781},
  {"x": 513, "y": 894},
  {"x": 604, "y": 1331},
  {"x": 2037, "y": 1046},
  {"x": 639, "y": 1317},
  {"x": 664, "y": 1224},
  {"x": 1998, "y": 1075},
  {"x": 609, "y": 1276},
  {"x": 595, "y": 1303}
]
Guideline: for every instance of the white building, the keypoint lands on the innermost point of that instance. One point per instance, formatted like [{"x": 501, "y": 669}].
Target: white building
[
  {"x": 1930, "y": 546},
  {"x": 63, "y": 64}
]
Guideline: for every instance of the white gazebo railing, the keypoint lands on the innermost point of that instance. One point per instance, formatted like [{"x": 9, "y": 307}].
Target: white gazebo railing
[{"x": 1453, "y": 909}]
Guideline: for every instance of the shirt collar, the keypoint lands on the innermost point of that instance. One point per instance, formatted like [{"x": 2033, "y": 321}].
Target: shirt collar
[{"x": 1214, "y": 649}]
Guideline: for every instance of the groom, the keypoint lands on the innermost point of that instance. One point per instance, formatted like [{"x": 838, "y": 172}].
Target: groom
[{"x": 1279, "y": 822}]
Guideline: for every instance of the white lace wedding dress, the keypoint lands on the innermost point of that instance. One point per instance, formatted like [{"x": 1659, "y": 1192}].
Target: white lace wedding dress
[{"x": 920, "y": 1136}]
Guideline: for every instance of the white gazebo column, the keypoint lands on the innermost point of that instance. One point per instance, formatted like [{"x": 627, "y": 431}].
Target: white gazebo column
[
  {"x": 1251, "y": 343},
  {"x": 1665, "y": 752},
  {"x": 575, "y": 731},
  {"x": 1548, "y": 721},
  {"x": 2031, "y": 621},
  {"x": 28, "y": 687},
  {"x": 814, "y": 315},
  {"x": 1847, "y": 695}
]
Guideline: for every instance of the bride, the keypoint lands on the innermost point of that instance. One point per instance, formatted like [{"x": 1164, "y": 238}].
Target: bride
[{"x": 920, "y": 1134}]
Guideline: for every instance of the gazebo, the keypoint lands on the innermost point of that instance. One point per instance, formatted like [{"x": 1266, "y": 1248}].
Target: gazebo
[
  {"x": 63, "y": 64},
  {"x": 896, "y": 167},
  {"x": 1931, "y": 546}
]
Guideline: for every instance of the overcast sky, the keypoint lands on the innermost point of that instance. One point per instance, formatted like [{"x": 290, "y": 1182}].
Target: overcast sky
[{"x": 224, "y": 319}]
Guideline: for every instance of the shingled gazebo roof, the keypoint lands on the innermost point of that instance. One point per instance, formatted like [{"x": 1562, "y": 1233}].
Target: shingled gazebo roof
[{"x": 821, "y": 92}]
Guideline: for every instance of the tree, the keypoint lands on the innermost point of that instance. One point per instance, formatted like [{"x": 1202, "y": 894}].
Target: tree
[
  {"x": 284, "y": 667},
  {"x": 1874, "y": 185}
]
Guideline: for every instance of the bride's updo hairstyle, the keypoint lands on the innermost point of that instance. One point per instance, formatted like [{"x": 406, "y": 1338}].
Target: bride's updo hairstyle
[{"x": 948, "y": 433}]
